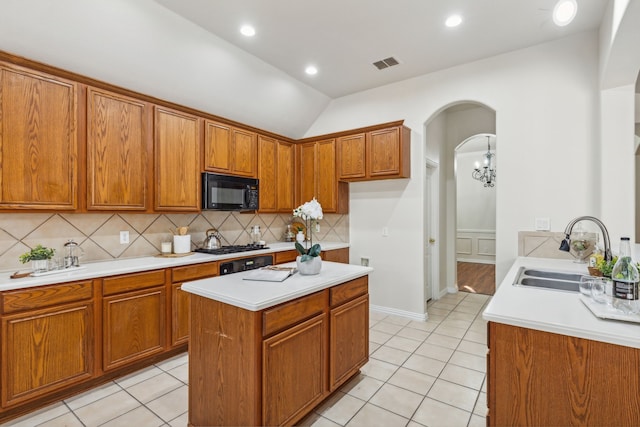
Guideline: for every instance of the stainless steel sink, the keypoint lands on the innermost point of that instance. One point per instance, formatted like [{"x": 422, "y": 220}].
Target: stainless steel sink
[{"x": 549, "y": 279}]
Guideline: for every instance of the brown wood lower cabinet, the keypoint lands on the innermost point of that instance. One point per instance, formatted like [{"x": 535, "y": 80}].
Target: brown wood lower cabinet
[
  {"x": 335, "y": 255},
  {"x": 278, "y": 358},
  {"x": 539, "y": 378}
]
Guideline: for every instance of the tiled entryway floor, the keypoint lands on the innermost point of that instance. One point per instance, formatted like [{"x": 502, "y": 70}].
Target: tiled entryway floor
[{"x": 419, "y": 374}]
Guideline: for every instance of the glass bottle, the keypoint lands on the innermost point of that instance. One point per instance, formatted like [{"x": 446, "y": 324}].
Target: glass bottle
[{"x": 625, "y": 280}]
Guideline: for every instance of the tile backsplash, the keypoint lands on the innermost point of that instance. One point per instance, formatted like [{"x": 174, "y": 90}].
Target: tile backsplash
[{"x": 98, "y": 234}]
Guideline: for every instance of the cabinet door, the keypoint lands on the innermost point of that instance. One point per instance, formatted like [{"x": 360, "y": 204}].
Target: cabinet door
[
  {"x": 267, "y": 151},
  {"x": 133, "y": 326},
  {"x": 118, "y": 152},
  {"x": 244, "y": 153},
  {"x": 46, "y": 350},
  {"x": 177, "y": 161},
  {"x": 179, "y": 315},
  {"x": 294, "y": 371},
  {"x": 337, "y": 255},
  {"x": 285, "y": 191},
  {"x": 307, "y": 172},
  {"x": 327, "y": 183},
  {"x": 349, "y": 340},
  {"x": 38, "y": 141},
  {"x": 217, "y": 147},
  {"x": 351, "y": 156},
  {"x": 384, "y": 152}
]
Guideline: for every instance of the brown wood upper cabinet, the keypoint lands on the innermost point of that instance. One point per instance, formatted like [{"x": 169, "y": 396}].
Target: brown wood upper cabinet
[
  {"x": 276, "y": 160},
  {"x": 376, "y": 154},
  {"x": 177, "y": 161},
  {"x": 318, "y": 178},
  {"x": 229, "y": 150},
  {"x": 119, "y": 148},
  {"x": 38, "y": 140}
]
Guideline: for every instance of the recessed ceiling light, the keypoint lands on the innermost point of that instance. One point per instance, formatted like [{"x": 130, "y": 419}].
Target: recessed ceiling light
[
  {"x": 453, "y": 21},
  {"x": 248, "y": 30},
  {"x": 311, "y": 70},
  {"x": 564, "y": 12}
]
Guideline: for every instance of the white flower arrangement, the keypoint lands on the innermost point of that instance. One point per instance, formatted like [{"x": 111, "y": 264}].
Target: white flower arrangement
[{"x": 309, "y": 212}]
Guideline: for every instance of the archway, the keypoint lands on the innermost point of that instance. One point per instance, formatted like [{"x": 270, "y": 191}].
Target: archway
[{"x": 444, "y": 131}]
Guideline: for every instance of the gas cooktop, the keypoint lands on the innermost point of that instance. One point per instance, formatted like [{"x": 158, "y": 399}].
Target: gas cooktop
[{"x": 231, "y": 249}]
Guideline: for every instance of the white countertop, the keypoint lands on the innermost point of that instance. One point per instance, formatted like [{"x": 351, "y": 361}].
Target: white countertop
[
  {"x": 133, "y": 265},
  {"x": 555, "y": 311},
  {"x": 254, "y": 295}
]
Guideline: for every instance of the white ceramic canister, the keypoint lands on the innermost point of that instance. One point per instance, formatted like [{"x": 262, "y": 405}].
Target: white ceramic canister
[{"x": 182, "y": 244}]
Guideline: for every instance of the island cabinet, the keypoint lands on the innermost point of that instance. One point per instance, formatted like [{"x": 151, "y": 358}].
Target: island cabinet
[
  {"x": 538, "y": 378},
  {"x": 375, "y": 154},
  {"x": 134, "y": 317},
  {"x": 276, "y": 160},
  {"x": 48, "y": 340},
  {"x": 273, "y": 366},
  {"x": 316, "y": 176},
  {"x": 119, "y": 150},
  {"x": 38, "y": 140},
  {"x": 229, "y": 150},
  {"x": 180, "y": 299},
  {"x": 177, "y": 161}
]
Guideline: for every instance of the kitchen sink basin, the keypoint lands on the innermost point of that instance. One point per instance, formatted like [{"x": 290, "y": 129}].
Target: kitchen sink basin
[{"x": 549, "y": 279}]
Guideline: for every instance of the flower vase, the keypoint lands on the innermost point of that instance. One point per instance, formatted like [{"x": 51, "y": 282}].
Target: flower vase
[
  {"x": 310, "y": 266},
  {"x": 40, "y": 265}
]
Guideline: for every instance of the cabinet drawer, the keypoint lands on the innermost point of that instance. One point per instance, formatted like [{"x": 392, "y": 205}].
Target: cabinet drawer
[
  {"x": 285, "y": 256},
  {"x": 193, "y": 272},
  {"x": 45, "y": 296},
  {"x": 347, "y": 291},
  {"x": 130, "y": 282},
  {"x": 290, "y": 313}
]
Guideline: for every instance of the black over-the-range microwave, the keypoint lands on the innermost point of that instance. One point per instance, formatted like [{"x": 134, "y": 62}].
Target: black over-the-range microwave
[{"x": 229, "y": 193}]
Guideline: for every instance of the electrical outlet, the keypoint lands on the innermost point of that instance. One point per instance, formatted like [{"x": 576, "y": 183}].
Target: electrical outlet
[
  {"x": 364, "y": 261},
  {"x": 124, "y": 237},
  {"x": 317, "y": 227},
  {"x": 385, "y": 231}
]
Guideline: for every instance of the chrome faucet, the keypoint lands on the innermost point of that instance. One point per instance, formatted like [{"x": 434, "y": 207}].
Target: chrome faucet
[{"x": 564, "y": 246}]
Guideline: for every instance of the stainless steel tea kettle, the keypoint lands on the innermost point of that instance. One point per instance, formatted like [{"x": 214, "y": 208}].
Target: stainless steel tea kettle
[{"x": 212, "y": 241}]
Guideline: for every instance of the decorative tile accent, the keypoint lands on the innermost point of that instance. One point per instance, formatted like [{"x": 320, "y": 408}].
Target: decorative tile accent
[{"x": 98, "y": 234}]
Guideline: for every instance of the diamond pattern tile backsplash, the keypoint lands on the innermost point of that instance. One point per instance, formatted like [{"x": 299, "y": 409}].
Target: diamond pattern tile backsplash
[{"x": 99, "y": 234}]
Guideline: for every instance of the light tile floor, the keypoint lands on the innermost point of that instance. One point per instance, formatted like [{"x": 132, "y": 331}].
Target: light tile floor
[{"x": 419, "y": 374}]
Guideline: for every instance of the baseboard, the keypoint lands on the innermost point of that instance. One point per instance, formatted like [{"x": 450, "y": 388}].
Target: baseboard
[
  {"x": 476, "y": 261},
  {"x": 402, "y": 313}
]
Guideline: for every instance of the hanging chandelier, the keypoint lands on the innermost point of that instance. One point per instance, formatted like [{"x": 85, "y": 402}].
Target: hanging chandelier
[{"x": 486, "y": 174}]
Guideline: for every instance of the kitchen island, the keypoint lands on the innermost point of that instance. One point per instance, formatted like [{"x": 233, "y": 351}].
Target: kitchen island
[
  {"x": 267, "y": 353},
  {"x": 552, "y": 362}
]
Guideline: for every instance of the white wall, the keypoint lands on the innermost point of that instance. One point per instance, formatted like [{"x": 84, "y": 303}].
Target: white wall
[
  {"x": 546, "y": 104},
  {"x": 142, "y": 46}
]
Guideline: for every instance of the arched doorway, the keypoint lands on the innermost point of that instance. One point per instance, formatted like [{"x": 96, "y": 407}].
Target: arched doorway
[{"x": 444, "y": 131}]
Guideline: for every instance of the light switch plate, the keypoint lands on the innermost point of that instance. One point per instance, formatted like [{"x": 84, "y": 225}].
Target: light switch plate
[{"x": 543, "y": 224}]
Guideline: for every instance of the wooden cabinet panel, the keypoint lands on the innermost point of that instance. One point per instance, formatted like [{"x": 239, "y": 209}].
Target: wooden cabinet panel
[
  {"x": 217, "y": 147},
  {"x": 294, "y": 372},
  {"x": 317, "y": 177},
  {"x": 268, "y": 173},
  {"x": 351, "y": 156},
  {"x": 537, "y": 378},
  {"x": 46, "y": 350},
  {"x": 276, "y": 175},
  {"x": 285, "y": 178},
  {"x": 118, "y": 152},
  {"x": 349, "y": 340},
  {"x": 179, "y": 315},
  {"x": 133, "y": 326},
  {"x": 326, "y": 185},
  {"x": 195, "y": 271},
  {"x": 177, "y": 161},
  {"x": 290, "y": 313},
  {"x": 230, "y": 150},
  {"x": 336, "y": 255},
  {"x": 45, "y": 296},
  {"x": 384, "y": 149},
  {"x": 38, "y": 141},
  {"x": 244, "y": 153},
  {"x": 285, "y": 256},
  {"x": 348, "y": 291},
  {"x": 307, "y": 172},
  {"x": 132, "y": 282}
]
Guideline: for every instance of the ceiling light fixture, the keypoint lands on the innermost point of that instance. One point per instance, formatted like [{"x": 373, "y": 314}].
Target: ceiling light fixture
[
  {"x": 248, "y": 30},
  {"x": 487, "y": 174},
  {"x": 564, "y": 12},
  {"x": 311, "y": 70},
  {"x": 453, "y": 21}
]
